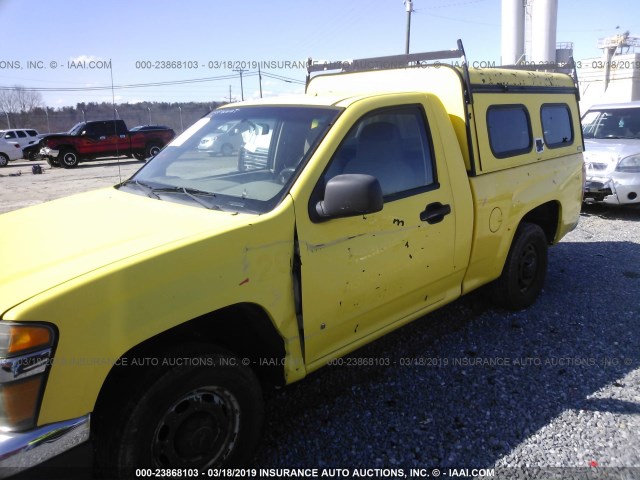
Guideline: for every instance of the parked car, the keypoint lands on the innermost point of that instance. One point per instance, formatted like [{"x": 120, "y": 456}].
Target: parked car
[
  {"x": 32, "y": 152},
  {"x": 227, "y": 138},
  {"x": 21, "y": 136},
  {"x": 612, "y": 153},
  {"x": 9, "y": 151},
  {"x": 102, "y": 138}
]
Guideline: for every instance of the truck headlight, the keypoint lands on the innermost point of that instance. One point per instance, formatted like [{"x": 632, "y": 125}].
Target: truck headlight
[
  {"x": 629, "y": 164},
  {"x": 25, "y": 357}
]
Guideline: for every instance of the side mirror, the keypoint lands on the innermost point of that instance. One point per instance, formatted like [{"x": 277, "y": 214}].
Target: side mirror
[{"x": 350, "y": 195}]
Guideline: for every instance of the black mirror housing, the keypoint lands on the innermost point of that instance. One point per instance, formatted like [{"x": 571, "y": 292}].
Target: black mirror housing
[{"x": 350, "y": 195}]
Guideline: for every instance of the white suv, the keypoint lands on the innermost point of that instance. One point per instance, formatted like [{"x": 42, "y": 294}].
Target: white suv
[
  {"x": 9, "y": 151},
  {"x": 22, "y": 136}
]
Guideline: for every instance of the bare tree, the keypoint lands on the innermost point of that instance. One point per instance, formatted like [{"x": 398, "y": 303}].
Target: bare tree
[{"x": 20, "y": 102}]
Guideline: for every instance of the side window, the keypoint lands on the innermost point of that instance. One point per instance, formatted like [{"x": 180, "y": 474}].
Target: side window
[
  {"x": 556, "y": 125},
  {"x": 119, "y": 128},
  {"x": 509, "y": 130},
  {"x": 10, "y": 135},
  {"x": 32, "y": 133},
  {"x": 391, "y": 145},
  {"x": 21, "y": 134},
  {"x": 97, "y": 129}
]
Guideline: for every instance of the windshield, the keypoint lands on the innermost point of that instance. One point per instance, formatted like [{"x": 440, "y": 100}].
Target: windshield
[
  {"x": 612, "y": 123},
  {"x": 249, "y": 168}
]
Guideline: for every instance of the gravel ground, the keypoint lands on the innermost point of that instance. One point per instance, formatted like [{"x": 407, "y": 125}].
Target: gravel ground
[
  {"x": 548, "y": 392},
  {"x": 20, "y": 188}
]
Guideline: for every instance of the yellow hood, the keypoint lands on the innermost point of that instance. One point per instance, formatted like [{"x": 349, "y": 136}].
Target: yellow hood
[{"x": 46, "y": 245}]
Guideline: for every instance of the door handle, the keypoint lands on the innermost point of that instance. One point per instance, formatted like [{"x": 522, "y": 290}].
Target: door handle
[{"x": 435, "y": 213}]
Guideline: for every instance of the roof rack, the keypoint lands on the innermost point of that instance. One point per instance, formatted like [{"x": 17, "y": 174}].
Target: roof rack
[
  {"x": 394, "y": 61},
  {"x": 568, "y": 68}
]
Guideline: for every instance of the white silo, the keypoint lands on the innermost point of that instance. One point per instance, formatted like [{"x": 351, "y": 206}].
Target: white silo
[
  {"x": 544, "y": 20},
  {"x": 512, "y": 31}
]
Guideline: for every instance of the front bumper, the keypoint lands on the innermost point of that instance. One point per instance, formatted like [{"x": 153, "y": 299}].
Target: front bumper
[
  {"x": 48, "y": 152},
  {"x": 620, "y": 189},
  {"x": 19, "y": 451}
]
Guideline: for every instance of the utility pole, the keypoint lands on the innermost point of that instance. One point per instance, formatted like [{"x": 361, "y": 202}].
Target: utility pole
[
  {"x": 260, "y": 80},
  {"x": 229, "y": 93},
  {"x": 241, "y": 71},
  {"x": 409, "y": 8}
]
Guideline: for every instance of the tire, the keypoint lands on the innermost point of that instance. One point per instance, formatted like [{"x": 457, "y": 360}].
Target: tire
[
  {"x": 152, "y": 150},
  {"x": 33, "y": 156},
  {"x": 226, "y": 150},
  {"x": 68, "y": 159},
  {"x": 525, "y": 269},
  {"x": 4, "y": 160},
  {"x": 198, "y": 414},
  {"x": 52, "y": 162}
]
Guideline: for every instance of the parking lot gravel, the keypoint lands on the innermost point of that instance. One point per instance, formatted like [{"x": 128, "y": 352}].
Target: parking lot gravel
[
  {"x": 549, "y": 392},
  {"x": 19, "y": 187},
  {"x": 469, "y": 391}
]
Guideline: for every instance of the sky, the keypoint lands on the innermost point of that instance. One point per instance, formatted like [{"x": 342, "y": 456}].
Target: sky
[{"x": 74, "y": 51}]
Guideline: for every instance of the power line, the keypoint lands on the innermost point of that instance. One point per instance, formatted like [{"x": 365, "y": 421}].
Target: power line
[{"x": 155, "y": 84}]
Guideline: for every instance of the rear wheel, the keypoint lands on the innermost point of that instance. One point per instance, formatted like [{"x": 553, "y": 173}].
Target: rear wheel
[
  {"x": 4, "y": 160},
  {"x": 68, "y": 159},
  {"x": 152, "y": 150},
  {"x": 202, "y": 410},
  {"x": 524, "y": 271}
]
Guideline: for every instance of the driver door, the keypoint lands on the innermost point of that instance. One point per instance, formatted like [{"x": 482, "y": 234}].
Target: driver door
[{"x": 364, "y": 275}]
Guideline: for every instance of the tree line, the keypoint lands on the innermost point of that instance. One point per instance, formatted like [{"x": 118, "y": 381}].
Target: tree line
[{"x": 22, "y": 108}]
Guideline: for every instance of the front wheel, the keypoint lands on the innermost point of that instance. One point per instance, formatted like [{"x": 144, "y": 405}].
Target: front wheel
[
  {"x": 226, "y": 150},
  {"x": 68, "y": 159},
  {"x": 4, "y": 160},
  {"x": 524, "y": 271},
  {"x": 201, "y": 411}
]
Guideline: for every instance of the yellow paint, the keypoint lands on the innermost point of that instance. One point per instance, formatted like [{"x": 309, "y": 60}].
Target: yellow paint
[{"x": 112, "y": 269}]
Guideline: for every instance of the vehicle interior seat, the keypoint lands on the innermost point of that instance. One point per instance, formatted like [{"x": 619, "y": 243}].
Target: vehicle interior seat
[{"x": 379, "y": 153}]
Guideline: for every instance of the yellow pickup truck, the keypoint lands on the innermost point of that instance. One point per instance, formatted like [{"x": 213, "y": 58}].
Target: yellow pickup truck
[{"x": 147, "y": 317}]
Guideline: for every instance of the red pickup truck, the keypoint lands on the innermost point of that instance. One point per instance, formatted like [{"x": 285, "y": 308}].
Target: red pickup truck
[{"x": 103, "y": 138}]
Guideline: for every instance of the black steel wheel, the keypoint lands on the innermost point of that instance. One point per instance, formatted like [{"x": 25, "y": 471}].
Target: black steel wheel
[
  {"x": 525, "y": 269},
  {"x": 193, "y": 411}
]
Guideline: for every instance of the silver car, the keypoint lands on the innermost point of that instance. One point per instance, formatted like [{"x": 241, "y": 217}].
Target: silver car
[
  {"x": 612, "y": 153},
  {"x": 228, "y": 138}
]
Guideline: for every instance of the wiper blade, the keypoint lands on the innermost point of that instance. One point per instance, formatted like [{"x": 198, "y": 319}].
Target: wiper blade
[
  {"x": 143, "y": 186},
  {"x": 192, "y": 193}
]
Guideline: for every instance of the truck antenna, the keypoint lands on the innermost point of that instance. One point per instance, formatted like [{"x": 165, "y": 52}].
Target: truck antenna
[{"x": 115, "y": 124}]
